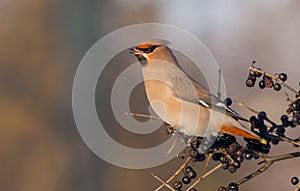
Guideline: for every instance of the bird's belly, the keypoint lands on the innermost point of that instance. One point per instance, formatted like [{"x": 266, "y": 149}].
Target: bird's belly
[{"x": 189, "y": 118}]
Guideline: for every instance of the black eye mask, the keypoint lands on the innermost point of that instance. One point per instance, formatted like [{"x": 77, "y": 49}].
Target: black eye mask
[{"x": 147, "y": 50}]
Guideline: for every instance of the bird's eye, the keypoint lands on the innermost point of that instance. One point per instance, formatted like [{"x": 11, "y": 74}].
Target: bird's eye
[{"x": 150, "y": 49}]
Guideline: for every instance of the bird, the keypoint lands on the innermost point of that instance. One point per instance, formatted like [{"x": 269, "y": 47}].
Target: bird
[{"x": 181, "y": 101}]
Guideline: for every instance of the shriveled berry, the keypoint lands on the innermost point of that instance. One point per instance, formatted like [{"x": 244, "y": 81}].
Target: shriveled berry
[
  {"x": 295, "y": 180},
  {"x": 232, "y": 168},
  {"x": 228, "y": 101},
  {"x": 268, "y": 82},
  {"x": 232, "y": 148},
  {"x": 250, "y": 82},
  {"x": 261, "y": 84},
  {"x": 277, "y": 87},
  {"x": 283, "y": 76},
  {"x": 186, "y": 180},
  {"x": 194, "y": 153},
  {"x": 177, "y": 185}
]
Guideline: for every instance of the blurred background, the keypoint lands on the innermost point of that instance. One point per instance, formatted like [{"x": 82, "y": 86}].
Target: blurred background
[{"x": 43, "y": 41}]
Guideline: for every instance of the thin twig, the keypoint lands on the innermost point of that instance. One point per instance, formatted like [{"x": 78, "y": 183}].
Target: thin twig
[
  {"x": 274, "y": 77},
  {"x": 297, "y": 188},
  {"x": 242, "y": 104},
  {"x": 208, "y": 160},
  {"x": 142, "y": 115},
  {"x": 268, "y": 161},
  {"x": 176, "y": 173},
  {"x": 164, "y": 183},
  {"x": 172, "y": 146},
  {"x": 205, "y": 175}
]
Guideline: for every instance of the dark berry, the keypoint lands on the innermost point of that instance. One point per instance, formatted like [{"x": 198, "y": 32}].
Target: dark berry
[
  {"x": 201, "y": 158},
  {"x": 295, "y": 180},
  {"x": 187, "y": 169},
  {"x": 192, "y": 189},
  {"x": 225, "y": 165},
  {"x": 250, "y": 82},
  {"x": 283, "y": 77},
  {"x": 230, "y": 139},
  {"x": 240, "y": 159},
  {"x": 284, "y": 117},
  {"x": 261, "y": 84},
  {"x": 292, "y": 124},
  {"x": 258, "y": 74},
  {"x": 237, "y": 164},
  {"x": 266, "y": 148},
  {"x": 191, "y": 174},
  {"x": 248, "y": 156},
  {"x": 239, "y": 152},
  {"x": 285, "y": 120},
  {"x": 233, "y": 186},
  {"x": 177, "y": 185},
  {"x": 231, "y": 168},
  {"x": 262, "y": 114},
  {"x": 253, "y": 119},
  {"x": 216, "y": 156},
  {"x": 275, "y": 140},
  {"x": 223, "y": 159},
  {"x": 277, "y": 87},
  {"x": 186, "y": 180},
  {"x": 222, "y": 188},
  {"x": 280, "y": 131},
  {"x": 228, "y": 101},
  {"x": 263, "y": 129}
]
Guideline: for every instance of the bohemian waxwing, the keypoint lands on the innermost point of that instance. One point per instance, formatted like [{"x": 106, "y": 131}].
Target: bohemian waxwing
[{"x": 179, "y": 100}]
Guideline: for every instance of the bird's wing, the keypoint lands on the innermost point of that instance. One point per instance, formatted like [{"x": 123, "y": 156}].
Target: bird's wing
[{"x": 203, "y": 97}]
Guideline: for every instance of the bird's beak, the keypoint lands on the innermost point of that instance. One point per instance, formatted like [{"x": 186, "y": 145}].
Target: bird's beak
[{"x": 136, "y": 51}]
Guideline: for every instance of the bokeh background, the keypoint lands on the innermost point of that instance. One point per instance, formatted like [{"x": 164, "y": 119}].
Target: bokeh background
[{"x": 43, "y": 41}]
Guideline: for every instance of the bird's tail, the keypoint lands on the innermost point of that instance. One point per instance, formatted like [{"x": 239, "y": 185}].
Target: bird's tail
[{"x": 233, "y": 130}]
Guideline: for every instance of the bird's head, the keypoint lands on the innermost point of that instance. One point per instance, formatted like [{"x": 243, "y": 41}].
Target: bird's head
[{"x": 153, "y": 50}]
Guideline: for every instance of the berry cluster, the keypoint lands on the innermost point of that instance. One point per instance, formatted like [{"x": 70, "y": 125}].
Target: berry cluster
[
  {"x": 267, "y": 80},
  {"x": 229, "y": 152},
  {"x": 189, "y": 174}
]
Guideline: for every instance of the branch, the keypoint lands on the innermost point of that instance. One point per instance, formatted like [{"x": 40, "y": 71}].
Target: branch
[
  {"x": 274, "y": 77},
  {"x": 268, "y": 163}
]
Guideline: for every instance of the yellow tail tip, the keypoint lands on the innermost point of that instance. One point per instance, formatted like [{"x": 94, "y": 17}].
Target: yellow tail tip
[{"x": 264, "y": 141}]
